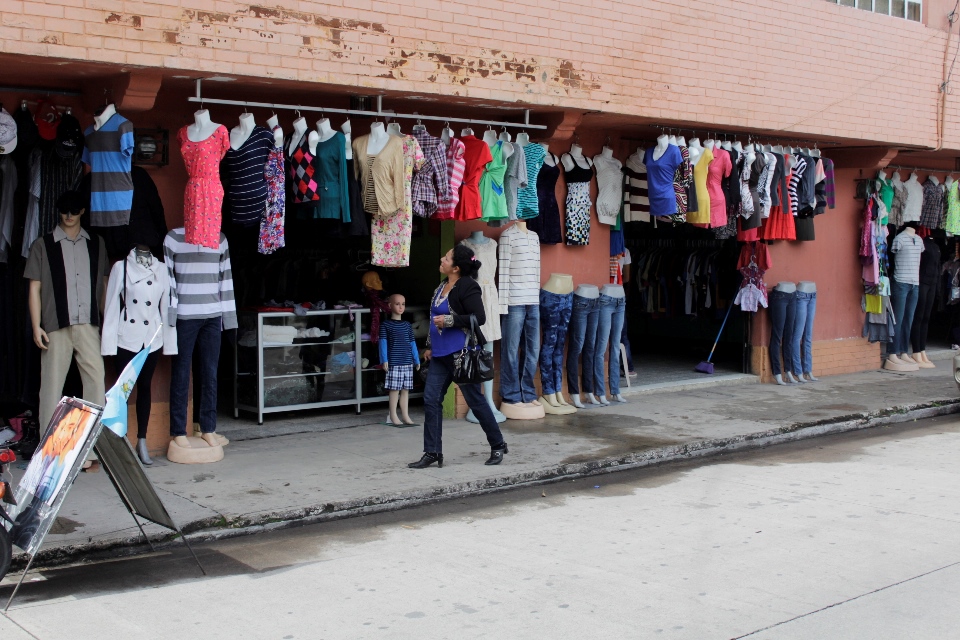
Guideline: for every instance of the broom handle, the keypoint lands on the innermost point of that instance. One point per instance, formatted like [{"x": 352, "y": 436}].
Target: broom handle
[{"x": 729, "y": 309}]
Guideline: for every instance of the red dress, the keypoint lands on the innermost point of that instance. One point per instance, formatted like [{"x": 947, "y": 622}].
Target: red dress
[
  {"x": 719, "y": 169},
  {"x": 203, "y": 196},
  {"x": 780, "y": 225},
  {"x": 476, "y": 155}
]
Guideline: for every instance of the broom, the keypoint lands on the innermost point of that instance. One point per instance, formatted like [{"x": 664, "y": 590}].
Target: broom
[{"x": 706, "y": 366}]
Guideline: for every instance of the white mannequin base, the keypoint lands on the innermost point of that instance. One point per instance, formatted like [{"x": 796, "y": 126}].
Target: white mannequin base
[
  {"x": 781, "y": 381},
  {"x": 522, "y": 411},
  {"x": 554, "y": 408},
  {"x": 196, "y": 451},
  {"x": 894, "y": 363},
  {"x": 790, "y": 378},
  {"x": 808, "y": 376},
  {"x": 592, "y": 399},
  {"x": 603, "y": 400}
]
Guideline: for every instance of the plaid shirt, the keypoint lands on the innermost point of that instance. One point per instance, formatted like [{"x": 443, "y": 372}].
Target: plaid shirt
[
  {"x": 455, "y": 167},
  {"x": 931, "y": 212},
  {"x": 432, "y": 180}
]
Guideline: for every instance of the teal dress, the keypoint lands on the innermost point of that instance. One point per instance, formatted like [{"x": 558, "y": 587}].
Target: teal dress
[{"x": 493, "y": 200}]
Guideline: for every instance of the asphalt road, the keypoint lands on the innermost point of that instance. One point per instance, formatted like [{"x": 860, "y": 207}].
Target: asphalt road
[{"x": 851, "y": 536}]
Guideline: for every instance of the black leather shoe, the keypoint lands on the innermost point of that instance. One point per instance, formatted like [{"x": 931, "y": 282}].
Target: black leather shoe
[
  {"x": 496, "y": 455},
  {"x": 426, "y": 460}
]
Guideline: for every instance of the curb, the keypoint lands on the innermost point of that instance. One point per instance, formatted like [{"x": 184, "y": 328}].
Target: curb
[{"x": 219, "y": 528}]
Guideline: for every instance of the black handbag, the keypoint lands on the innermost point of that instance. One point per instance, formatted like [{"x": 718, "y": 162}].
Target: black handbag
[{"x": 472, "y": 364}]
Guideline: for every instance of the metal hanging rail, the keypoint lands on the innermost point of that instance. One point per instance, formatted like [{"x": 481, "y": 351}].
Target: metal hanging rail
[{"x": 379, "y": 113}]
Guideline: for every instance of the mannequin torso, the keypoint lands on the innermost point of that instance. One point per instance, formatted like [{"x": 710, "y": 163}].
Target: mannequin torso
[
  {"x": 574, "y": 158},
  {"x": 661, "y": 148},
  {"x": 806, "y": 286},
  {"x": 202, "y": 127},
  {"x": 588, "y": 291},
  {"x": 241, "y": 133},
  {"x": 377, "y": 139},
  {"x": 550, "y": 160},
  {"x": 613, "y": 290},
  {"x": 695, "y": 151},
  {"x": 108, "y": 112},
  {"x": 477, "y": 237},
  {"x": 559, "y": 283},
  {"x": 786, "y": 287},
  {"x": 299, "y": 129},
  {"x": 324, "y": 130}
]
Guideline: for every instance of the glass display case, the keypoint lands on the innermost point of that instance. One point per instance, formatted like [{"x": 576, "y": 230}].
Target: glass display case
[{"x": 288, "y": 362}]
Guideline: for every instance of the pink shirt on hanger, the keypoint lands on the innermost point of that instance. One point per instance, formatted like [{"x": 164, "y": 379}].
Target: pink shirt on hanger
[{"x": 719, "y": 169}]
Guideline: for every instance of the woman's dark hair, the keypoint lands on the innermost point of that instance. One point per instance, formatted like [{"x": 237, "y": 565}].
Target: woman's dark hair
[{"x": 466, "y": 261}]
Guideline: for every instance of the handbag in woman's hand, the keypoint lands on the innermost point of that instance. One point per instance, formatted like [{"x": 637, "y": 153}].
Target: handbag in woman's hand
[{"x": 472, "y": 364}]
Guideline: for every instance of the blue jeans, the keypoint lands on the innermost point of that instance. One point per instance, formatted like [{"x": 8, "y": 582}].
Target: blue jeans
[
  {"x": 609, "y": 328},
  {"x": 905, "y": 298},
  {"x": 520, "y": 321},
  {"x": 583, "y": 338},
  {"x": 205, "y": 335},
  {"x": 555, "y": 312},
  {"x": 439, "y": 377},
  {"x": 801, "y": 349},
  {"x": 782, "y": 310}
]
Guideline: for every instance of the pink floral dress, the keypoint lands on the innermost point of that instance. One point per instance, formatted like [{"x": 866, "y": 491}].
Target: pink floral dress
[
  {"x": 390, "y": 232},
  {"x": 271, "y": 225},
  {"x": 203, "y": 196}
]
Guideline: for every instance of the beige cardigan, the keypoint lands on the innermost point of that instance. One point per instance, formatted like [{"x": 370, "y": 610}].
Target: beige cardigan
[{"x": 387, "y": 172}]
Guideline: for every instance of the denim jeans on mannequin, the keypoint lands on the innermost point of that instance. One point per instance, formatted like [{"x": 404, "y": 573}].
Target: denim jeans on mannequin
[
  {"x": 801, "y": 346},
  {"x": 520, "y": 321},
  {"x": 583, "y": 338},
  {"x": 904, "y": 306},
  {"x": 555, "y": 312},
  {"x": 609, "y": 326},
  {"x": 780, "y": 307},
  {"x": 205, "y": 336}
]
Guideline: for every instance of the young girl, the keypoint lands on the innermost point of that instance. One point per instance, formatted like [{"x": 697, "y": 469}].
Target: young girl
[{"x": 399, "y": 356}]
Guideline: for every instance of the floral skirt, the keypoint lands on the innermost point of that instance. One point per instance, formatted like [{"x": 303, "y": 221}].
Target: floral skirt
[{"x": 390, "y": 239}]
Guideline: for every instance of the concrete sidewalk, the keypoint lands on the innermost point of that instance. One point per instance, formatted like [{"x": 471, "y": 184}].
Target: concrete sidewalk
[{"x": 360, "y": 468}]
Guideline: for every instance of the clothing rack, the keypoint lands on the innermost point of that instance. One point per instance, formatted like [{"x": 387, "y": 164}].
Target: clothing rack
[
  {"x": 927, "y": 170},
  {"x": 671, "y": 243},
  {"x": 714, "y": 134},
  {"x": 38, "y": 91},
  {"x": 379, "y": 113}
]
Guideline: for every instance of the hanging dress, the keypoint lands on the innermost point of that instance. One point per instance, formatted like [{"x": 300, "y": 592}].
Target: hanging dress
[
  {"x": 682, "y": 179},
  {"x": 203, "y": 195},
  {"x": 547, "y": 224},
  {"x": 447, "y": 203},
  {"x": 719, "y": 169},
  {"x": 701, "y": 216},
  {"x": 330, "y": 190},
  {"x": 476, "y": 155},
  {"x": 780, "y": 224},
  {"x": 952, "y": 224},
  {"x": 272, "y": 224},
  {"x": 609, "y": 189},
  {"x": 578, "y": 204},
  {"x": 391, "y": 232},
  {"x": 486, "y": 253},
  {"x": 245, "y": 177},
  {"x": 493, "y": 199},
  {"x": 528, "y": 205}
]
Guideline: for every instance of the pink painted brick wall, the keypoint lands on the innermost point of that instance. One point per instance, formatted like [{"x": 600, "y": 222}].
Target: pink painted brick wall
[{"x": 806, "y": 66}]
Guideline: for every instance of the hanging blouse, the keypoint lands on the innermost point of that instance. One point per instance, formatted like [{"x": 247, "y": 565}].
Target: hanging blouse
[
  {"x": 432, "y": 180},
  {"x": 636, "y": 198},
  {"x": 493, "y": 201},
  {"x": 272, "y": 224},
  {"x": 952, "y": 224},
  {"x": 203, "y": 195},
  {"x": 245, "y": 179},
  {"x": 391, "y": 232},
  {"x": 447, "y": 203},
  {"x": 931, "y": 213},
  {"x": 515, "y": 178},
  {"x": 385, "y": 170},
  {"x": 547, "y": 224},
  {"x": 577, "y": 223},
  {"x": 331, "y": 200},
  {"x": 609, "y": 188},
  {"x": 700, "y": 171},
  {"x": 719, "y": 169},
  {"x": 528, "y": 205},
  {"x": 476, "y": 156},
  {"x": 660, "y": 174}
]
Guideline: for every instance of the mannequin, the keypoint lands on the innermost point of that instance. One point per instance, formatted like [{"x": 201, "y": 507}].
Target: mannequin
[
  {"x": 710, "y": 144},
  {"x": 574, "y": 158},
  {"x": 681, "y": 141},
  {"x": 378, "y": 139},
  {"x": 672, "y": 139},
  {"x": 737, "y": 146},
  {"x": 394, "y": 129},
  {"x": 607, "y": 152},
  {"x": 299, "y": 130},
  {"x": 273, "y": 122},
  {"x": 519, "y": 271},
  {"x": 661, "y": 147},
  {"x": 202, "y": 127},
  {"x": 466, "y": 132},
  {"x": 324, "y": 130},
  {"x": 948, "y": 181},
  {"x": 549, "y": 159},
  {"x": 933, "y": 179},
  {"x": 504, "y": 136},
  {"x": 446, "y": 135},
  {"x": 486, "y": 251},
  {"x": 782, "y": 307},
  {"x": 695, "y": 150},
  {"x": 277, "y": 134},
  {"x": 523, "y": 139},
  {"x": 490, "y": 137},
  {"x": 556, "y": 307},
  {"x": 108, "y": 112},
  {"x": 583, "y": 338},
  {"x": 803, "y": 334},
  {"x": 726, "y": 145},
  {"x": 613, "y": 304},
  {"x": 241, "y": 133},
  {"x": 905, "y": 290},
  {"x": 347, "y": 129}
]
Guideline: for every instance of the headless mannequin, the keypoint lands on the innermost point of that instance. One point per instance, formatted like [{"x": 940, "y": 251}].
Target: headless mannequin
[
  {"x": 948, "y": 181},
  {"x": 786, "y": 377},
  {"x": 504, "y": 136},
  {"x": 575, "y": 158},
  {"x": 241, "y": 133},
  {"x": 490, "y": 137},
  {"x": 324, "y": 130},
  {"x": 710, "y": 144},
  {"x": 590, "y": 292},
  {"x": 394, "y": 129},
  {"x": 903, "y": 361},
  {"x": 549, "y": 159},
  {"x": 202, "y": 127},
  {"x": 523, "y": 139},
  {"x": 101, "y": 118},
  {"x": 477, "y": 237},
  {"x": 881, "y": 178},
  {"x": 681, "y": 141},
  {"x": 695, "y": 150},
  {"x": 613, "y": 291},
  {"x": 606, "y": 152},
  {"x": 672, "y": 140},
  {"x": 934, "y": 179},
  {"x": 446, "y": 135},
  {"x": 377, "y": 139},
  {"x": 726, "y": 145},
  {"x": 273, "y": 123},
  {"x": 806, "y": 286},
  {"x": 466, "y": 132},
  {"x": 554, "y": 403},
  {"x": 347, "y": 130},
  {"x": 662, "y": 143},
  {"x": 299, "y": 129},
  {"x": 739, "y": 147}
]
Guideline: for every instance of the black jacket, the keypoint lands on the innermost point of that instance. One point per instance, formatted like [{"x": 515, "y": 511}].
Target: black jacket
[{"x": 466, "y": 298}]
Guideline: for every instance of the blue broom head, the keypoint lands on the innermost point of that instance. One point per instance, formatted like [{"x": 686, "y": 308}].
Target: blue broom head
[{"x": 704, "y": 367}]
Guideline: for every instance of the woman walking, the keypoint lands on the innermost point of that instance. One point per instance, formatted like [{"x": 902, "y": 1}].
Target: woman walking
[{"x": 454, "y": 301}]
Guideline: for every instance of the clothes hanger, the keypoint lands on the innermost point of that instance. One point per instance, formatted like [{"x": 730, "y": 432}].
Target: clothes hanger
[{"x": 419, "y": 126}]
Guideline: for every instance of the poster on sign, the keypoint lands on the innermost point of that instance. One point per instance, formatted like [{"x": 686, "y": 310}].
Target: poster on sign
[{"x": 70, "y": 436}]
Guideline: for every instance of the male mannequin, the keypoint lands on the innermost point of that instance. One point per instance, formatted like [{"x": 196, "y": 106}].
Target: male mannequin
[
  {"x": 613, "y": 304},
  {"x": 556, "y": 306},
  {"x": 205, "y": 276},
  {"x": 65, "y": 300},
  {"x": 241, "y": 133},
  {"x": 519, "y": 266},
  {"x": 485, "y": 249},
  {"x": 583, "y": 338},
  {"x": 905, "y": 291}
]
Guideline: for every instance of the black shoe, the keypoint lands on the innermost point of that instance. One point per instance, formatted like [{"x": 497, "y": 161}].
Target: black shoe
[
  {"x": 427, "y": 460},
  {"x": 496, "y": 455}
]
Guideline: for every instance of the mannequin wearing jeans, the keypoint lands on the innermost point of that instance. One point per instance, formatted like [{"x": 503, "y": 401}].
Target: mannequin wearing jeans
[
  {"x": 782, "y": 310},
  {"x": 556, "y": 307},
  {"x": 929, "y": 276},
  {"x": 519, "y": 264},
  {"x": 905, "y": 290},
  {"x": 583, "y": 338},
  {"x": 801, "y": 349},
  {"x": 612, "y": 304}
]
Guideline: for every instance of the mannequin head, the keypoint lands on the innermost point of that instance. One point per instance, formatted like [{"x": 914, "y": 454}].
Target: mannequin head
[{"x": 70, "y": 206}]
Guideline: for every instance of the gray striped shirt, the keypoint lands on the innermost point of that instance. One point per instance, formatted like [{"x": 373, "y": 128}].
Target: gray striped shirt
[
  {"x": 201, "y": 282},
  {"x": 908, "y": 247}
]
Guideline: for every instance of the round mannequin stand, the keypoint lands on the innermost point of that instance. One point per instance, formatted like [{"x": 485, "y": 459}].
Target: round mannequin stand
[
  {"x": 523, "y": 410},
  {"x": 897, "y": 363},
  {"x": 193, "y": 450},
  {"x": 554, "y": 404}
]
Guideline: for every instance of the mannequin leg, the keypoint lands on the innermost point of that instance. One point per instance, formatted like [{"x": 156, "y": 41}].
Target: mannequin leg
[
  {"x": 921, "y": 323},
  {"x": 511, "y": 330},
  {"x": 790, "y": 341},
  {"x": 187, "y": 331},
  {"x": 566, "y": 311},
  {"x": 208, "y": 341},
  {"x": 405, "y": 407},
  {"x": 801, "y": 306},
  {"x": 579, "y": 319},
  {"x": 909, "y": 310},
  {"x": 550, "y": 306},
  {"x": 144, "y": 398},
  {"x": 777, "y": 311},
  {"x": 394, "y": 397},
  {"x": 531, "y": 356},
  {"x": 488, "y": 394},
  {"x": 604, "y": 323},
  {"x": 807, "y": 344},
  {"x": 898, "y": 293},
  {"x": 613, "y": 363}
]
